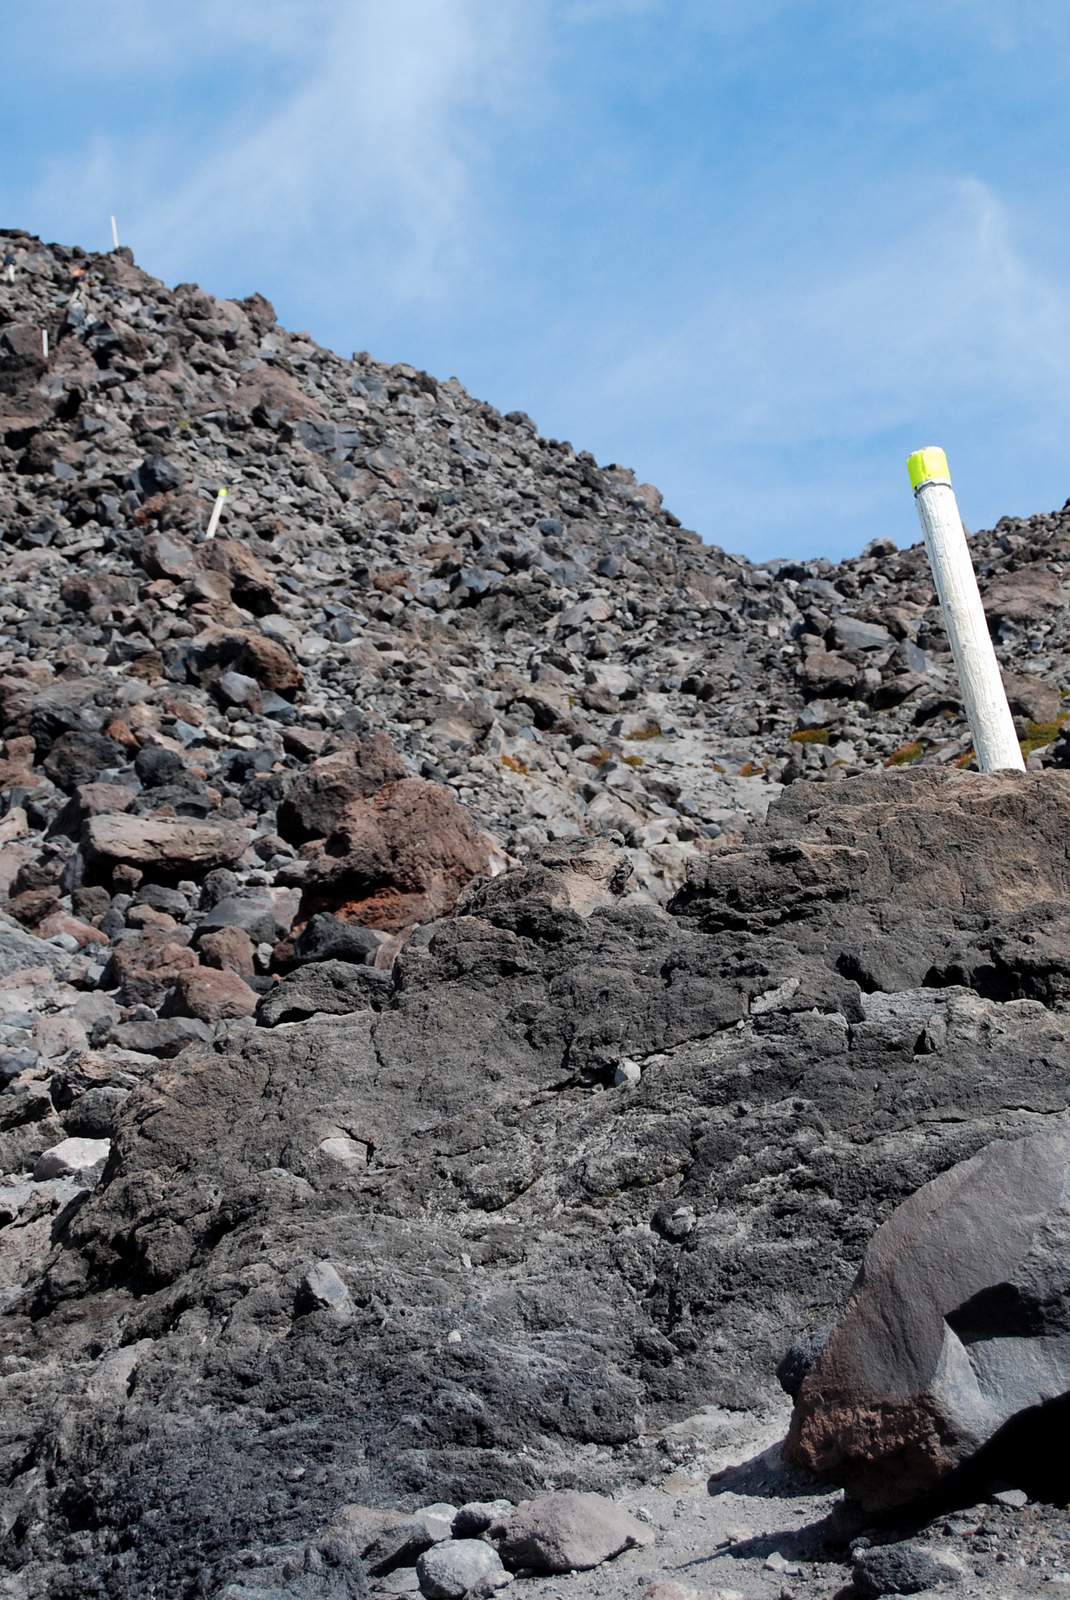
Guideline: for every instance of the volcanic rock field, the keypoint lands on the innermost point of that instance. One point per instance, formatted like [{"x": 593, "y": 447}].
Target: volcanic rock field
[{"x": 479, "y": 970}]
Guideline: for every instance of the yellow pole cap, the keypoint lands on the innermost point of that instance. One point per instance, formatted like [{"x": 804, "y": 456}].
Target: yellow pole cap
[{"x": 928, "y": 466}]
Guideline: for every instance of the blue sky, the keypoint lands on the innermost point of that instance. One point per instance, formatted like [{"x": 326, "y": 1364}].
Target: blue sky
[{"x": 757, "y": 249}]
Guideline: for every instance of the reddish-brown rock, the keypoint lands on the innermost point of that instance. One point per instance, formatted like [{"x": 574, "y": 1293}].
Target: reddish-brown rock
[
  {"x": 925, "y": 839},
  {"x": 82, "y": 591},
  {"x": 13, "y": 857},
  {"x": 220, "y": 649},
  {"x": 314, "y": 806},
  {"x": 250, "y": 584},
  {"x": 90, "y": 800},
  {"x": 16, "y": 763},
  {"x": 400, "y": 857},
  {"x": 1030, "y": 594},
  {"x": 146, "y": 964},
  {"x": 211, "y": 995},
  {"x": 1032, "y": 697},
  {"x": 32, "y": 905},
  {"x": 150, "y": 948},
  {"x": 229, "y": 950},
  {"x": 163, "y": 555},
  {"x": 63, "y": 922},
  {"x": 179, "y": 845}
]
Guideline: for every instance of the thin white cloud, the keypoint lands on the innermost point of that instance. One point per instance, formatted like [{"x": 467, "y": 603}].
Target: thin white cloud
[
  {"x": 947, "y": 309},
  {"x": 767, "y": 408},
  {"x": 368, "y": 165}
]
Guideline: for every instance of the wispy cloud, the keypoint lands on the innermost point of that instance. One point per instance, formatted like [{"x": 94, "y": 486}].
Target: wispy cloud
[
  {"x": 366, "y": 165},
  {"x": 773, "y": 399}
]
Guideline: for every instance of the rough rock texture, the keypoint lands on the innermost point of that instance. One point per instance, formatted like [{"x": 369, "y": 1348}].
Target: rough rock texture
[
  {"x": 450, "y": 1569},
  {"x": 566, "y": 1531},
  {"x": 401, "y": 857},
  {"x": 960, "y": 1322},
  {"x": 515, "y": 1204},
  {"x": 532, "y": 1260},
  {"x": 901, "y": 1569},
  {"x": 169, "y": 846}
]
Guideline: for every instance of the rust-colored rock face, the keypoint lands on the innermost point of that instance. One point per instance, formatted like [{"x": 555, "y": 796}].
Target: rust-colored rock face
[
  {"x": 315, "y": 804},
  {"x": 400, "y": 857},
  {"x": 220, "y": 649},
  {"x": 211, "y": 995},
  {"x": 956, "y": 1325}
]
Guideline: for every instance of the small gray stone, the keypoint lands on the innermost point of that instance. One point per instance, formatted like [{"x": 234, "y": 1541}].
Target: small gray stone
[
  {"x": 437, "y": 1519},
  {"x": 397, "y": 1546},
  {"x": 900, "y": 1569},
  {"x": 166, "y": 1037},
  {"x": 325, "y": 938},
  {"x": 476, "y": 1516},
  {"x": 403, "y": 1580},
  {"x": 71, "y": 1156},
  {"x": 254, "y": 917},
  {"x": 235, "y": 689},
  {"x": 849, "y": 633},
  {"x": 1015, "y": 1498},
  {"x": 322, "y": 1288},
  {"x": 449, "y": 1569}
]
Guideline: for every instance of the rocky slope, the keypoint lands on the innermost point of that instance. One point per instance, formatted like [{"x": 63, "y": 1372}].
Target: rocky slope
[{"x": 428, "y": 1077}]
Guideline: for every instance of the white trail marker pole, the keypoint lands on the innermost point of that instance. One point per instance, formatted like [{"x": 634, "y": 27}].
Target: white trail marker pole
[
  {"x": 114, "y": 235},
  {"x": 44, "y": 343},
  {"x": 217, "y": 512},
  {"x": 994, "y": 739}
]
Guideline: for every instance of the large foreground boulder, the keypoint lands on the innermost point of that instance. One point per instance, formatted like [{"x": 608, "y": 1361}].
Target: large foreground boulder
[{"x": 959, "y": 1323}]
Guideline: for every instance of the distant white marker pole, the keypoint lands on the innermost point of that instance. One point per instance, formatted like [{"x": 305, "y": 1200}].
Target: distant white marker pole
[
  {"x": 994, "y": 739},
  {"x": 114, "y": 235},
  {"x": 217, "y": 512},
  {"x": 44, "y": 343}
]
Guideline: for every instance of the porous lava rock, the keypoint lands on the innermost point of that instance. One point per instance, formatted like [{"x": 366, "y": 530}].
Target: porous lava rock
[
  {"x": 211, "y": 995},
  {"x": 316, "y": 799},
  {"x": 170, "y": 845},
  {"x": 562, "y": 1167}
]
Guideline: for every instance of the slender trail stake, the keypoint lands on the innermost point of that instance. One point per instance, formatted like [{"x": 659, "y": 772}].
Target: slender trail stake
[
  {"x": 114, "y": 235},
  {"x": 217, "y": 512},
  {"x": 994, "y": 739}
]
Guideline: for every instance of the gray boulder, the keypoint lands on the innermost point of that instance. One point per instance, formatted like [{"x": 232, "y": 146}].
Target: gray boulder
[
  {"x": 454, "y": 1566},
  {"x": 476, "y": 1516},
  {"x": 901, "y": 1569},
  {"x": 254, "y": 917},
  {"x": 325, "y": 938},
  {"x": 958, "y": 1323},
  {"x": 565, "y": 1532}
]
